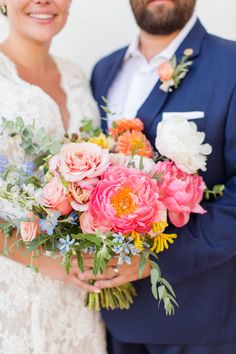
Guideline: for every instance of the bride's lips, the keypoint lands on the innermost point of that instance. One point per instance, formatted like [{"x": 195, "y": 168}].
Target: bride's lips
[{"x": 41, "y": 17}]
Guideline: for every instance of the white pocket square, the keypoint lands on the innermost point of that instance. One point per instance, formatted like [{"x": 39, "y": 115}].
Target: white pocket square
[{"x": 187, "y": 115}]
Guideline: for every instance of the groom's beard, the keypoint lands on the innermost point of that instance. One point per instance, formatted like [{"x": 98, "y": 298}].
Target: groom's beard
[{"x": 163, "y": 18}]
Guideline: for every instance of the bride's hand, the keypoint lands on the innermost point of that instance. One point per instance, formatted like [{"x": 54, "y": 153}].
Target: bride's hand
[
  {"x": 83, "y": 278},
  {"x": 113, "y": 276}
]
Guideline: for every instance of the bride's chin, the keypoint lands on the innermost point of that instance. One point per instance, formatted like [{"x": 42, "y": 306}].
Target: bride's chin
[{"x": 41, "y": 34}]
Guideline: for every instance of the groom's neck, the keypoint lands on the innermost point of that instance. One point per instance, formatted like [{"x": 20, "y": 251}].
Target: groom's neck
[{"x": 151, "y": 45}]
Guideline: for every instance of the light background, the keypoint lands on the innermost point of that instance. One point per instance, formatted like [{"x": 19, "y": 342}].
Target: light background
[{"x": 97, "y": 27}]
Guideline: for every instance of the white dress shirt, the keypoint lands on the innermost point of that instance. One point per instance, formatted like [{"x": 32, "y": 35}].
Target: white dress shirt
[{"x": 137, "y": 77}]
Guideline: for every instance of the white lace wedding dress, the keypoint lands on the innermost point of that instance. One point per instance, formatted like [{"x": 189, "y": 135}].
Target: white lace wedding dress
[{"x": 39, "y": 315}]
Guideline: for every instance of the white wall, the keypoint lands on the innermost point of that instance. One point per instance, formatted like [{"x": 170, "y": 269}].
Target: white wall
[{"x": 97, "y": 27}]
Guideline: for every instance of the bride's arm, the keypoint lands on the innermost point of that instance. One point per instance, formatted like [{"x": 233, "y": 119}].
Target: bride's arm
[{"x": 46, "y": 265}]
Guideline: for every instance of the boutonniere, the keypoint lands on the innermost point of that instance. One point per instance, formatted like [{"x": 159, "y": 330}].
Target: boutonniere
[{"x": 172, "y": 72}]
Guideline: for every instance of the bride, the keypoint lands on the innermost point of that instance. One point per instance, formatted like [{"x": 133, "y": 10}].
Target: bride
[{"x": 42, "y": 313}]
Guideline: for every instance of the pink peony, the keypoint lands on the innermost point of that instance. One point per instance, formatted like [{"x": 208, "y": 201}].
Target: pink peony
[
  {"x": 77, "y": 161},
  {"x": 29, "y": 229},
  {"x": 180, "y": 192},
  {"x": 165, "y": 71},
  {"x": 80, "y": 193},
  {"x": 125, "y": 200},
  {"x": 55, "y": 196}
]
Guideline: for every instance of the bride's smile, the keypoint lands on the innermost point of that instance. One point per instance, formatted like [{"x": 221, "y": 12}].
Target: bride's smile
[{"x": 38, "y": 20}]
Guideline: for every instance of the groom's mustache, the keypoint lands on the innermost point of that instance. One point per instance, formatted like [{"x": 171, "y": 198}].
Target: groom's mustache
[{"x": 161, "y": 1}]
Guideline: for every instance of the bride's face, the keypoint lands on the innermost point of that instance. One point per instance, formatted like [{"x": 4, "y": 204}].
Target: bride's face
[{"x": 37, "y": 20}]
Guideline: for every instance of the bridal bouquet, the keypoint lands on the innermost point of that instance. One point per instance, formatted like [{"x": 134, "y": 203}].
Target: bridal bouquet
[{"x": 106, "y": 195}]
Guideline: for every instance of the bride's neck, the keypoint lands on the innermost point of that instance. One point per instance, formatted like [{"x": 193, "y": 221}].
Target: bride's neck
[{"x": 27, "y": 54}]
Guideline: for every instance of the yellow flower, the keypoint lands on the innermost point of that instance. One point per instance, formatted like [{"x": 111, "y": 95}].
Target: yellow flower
[
  {"x": 160, "y": 242},
  {"x": 138, "y": 240},
  {"x": 159, "y": 227},
  {"x": 103, "y": 141}
]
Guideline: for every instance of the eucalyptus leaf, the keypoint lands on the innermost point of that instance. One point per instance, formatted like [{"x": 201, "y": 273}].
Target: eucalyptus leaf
[{"x": 142, "y": 263}]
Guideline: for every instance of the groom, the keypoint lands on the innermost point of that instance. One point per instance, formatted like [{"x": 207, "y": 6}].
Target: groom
[{"x": 201, "y": 265}]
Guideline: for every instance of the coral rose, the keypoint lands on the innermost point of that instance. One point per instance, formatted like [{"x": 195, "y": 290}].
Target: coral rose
[
  {"x": 29, "y": 229},
  {"x": 55, "y": 196},
  {"x": 77, "y": 161},
  {"x": 165, "y": 71},
  {"x": 180, "y": 192},
  {"x": 125, "y": 200}
]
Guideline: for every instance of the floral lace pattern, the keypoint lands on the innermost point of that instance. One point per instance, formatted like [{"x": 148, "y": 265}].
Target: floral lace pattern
[{"x": 39, "y": 315}]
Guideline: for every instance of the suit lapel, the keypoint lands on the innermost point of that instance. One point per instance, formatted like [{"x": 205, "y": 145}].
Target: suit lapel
[
  {"x": 115, "y": 67},
  {"x": 157, "y": 98}
]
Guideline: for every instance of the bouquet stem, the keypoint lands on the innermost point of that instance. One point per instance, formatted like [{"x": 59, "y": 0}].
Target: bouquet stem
[{"x": 120, "y": 297}]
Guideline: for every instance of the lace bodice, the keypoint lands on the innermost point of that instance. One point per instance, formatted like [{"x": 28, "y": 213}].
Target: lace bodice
[
  {"x": 19, "y": 98},
  {"x": 39, "y": 315}
]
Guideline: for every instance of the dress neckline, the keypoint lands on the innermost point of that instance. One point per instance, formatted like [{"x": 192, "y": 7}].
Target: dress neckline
[{"x": 63, "y": 84}]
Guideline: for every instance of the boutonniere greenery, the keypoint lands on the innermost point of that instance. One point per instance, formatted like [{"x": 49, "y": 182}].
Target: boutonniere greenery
[{"x": 171, "y": 72}]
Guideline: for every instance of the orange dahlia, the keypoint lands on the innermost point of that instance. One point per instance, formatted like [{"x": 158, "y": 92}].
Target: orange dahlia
[
  {"x": 134, "y": 143},
  {"x": 123, "y": 125}
]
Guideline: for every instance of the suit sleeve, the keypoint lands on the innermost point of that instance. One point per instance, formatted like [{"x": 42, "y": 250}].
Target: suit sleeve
[{"x": 208, "y": 240}]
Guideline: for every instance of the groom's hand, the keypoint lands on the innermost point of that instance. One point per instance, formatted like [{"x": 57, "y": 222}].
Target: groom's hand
[{"x": 114, "y": 275}]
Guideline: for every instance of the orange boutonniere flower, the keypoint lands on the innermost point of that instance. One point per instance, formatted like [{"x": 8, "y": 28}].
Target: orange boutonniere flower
[
  {"x": 171, "y": 72},
  {"x": 123, "y": 125}
]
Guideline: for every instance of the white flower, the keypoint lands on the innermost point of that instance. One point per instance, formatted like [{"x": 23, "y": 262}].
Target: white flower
[
  {"x": 134, "y": 161},
  {"x": 118, "y": 159},
  {"x": 178, "y": 140},
  {"x": 148, "y": 163}
]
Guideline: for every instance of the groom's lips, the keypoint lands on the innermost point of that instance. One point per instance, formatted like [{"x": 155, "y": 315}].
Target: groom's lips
[{"x": 158, "y": 1}]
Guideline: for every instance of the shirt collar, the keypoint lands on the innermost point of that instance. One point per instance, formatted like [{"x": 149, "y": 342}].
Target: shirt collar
[{"x": 169, "y": 51}]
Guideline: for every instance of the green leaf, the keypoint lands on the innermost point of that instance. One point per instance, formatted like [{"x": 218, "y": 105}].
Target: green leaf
[
  {"x": 155, "y": 275},
  {"x": 105, "y": 109},
  {"x": 161, "y": 291},
  {"x": 92, "y": 238},
  {"x": 142, "y": 263},
  {"x": 80, "y": 261},
  {"x": 66, "y": 262},
  {"x": 105, "y": 100},
  {"x": 20, "y": 123},
  {"x": 141, "y": 164},
  {"x": 168, "y": 286}
]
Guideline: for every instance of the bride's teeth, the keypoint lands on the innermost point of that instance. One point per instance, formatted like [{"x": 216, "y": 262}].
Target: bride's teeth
[{"x": 42, "y": 16}]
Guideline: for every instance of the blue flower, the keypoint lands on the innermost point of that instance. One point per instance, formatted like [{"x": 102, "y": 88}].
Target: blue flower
[
  {"x": 118, "y": 238},
  {"x": 64, "y": 245},
  {"x": 73, "y": 218},
  {"x": 29, "y": 167},
  {"x": 53, "y": 216},
  {"x": 117, "y": 249},
  {"x": 124, "y": 259},
  {"x": 124, "y": 248},
  {"x": 3, "y": 163},
  {"x": 48, "y": 225}
]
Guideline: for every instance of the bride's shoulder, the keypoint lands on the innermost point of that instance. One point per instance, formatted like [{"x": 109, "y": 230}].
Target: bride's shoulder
[{"x": 71, "y": 70}]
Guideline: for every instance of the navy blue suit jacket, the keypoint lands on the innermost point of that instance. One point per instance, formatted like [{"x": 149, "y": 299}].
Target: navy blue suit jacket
[{"x": 201, "y": 265}]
